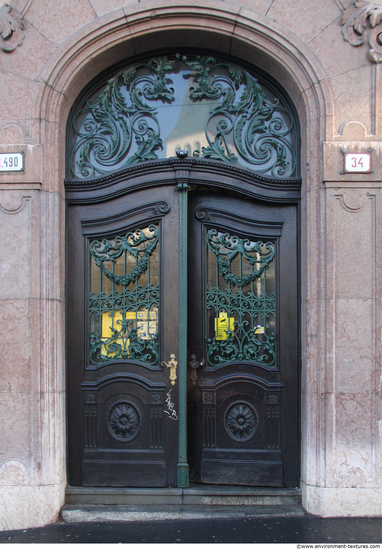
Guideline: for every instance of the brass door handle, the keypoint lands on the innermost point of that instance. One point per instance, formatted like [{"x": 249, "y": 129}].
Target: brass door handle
[
  {"x": 194, "y": 364},
  {"x": 172, "y": 364}
]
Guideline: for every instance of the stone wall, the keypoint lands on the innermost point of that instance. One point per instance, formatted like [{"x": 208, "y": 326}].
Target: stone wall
[{"x": 55, "y": 49}]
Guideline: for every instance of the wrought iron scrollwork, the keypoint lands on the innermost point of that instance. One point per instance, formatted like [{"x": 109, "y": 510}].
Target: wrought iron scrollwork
[
  {"x": 121, "y": 124},
  {"x": 124, "y": 344},
  {"x": 246, "y": 347},
  {"x": 254, "y": 253},
  {"x": 105, "y": 251},
  {"x": 106, "y": 127},
  {"x": 242, "y": 312},
  {"x": 258, "y": 126},
  {"x": 124, "y": 313}
]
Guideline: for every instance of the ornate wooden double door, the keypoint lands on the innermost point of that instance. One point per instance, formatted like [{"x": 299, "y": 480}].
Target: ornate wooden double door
[{"x": 126, "y": 277}]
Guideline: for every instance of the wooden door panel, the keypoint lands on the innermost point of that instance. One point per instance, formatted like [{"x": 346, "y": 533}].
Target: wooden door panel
[
  {"x": 224, "y": 469},
  {"x": 242, "y": 412},
  {"x": 243, "y": 422},
  {"x": 119, "y": 434},
  {"x": 128, "y": 416},
  {"x": 243, "y": 416}
]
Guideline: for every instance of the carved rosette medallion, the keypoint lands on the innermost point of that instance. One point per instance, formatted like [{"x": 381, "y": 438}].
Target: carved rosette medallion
[
  {"x": 123, "y": 421},
  {"x": 240, "y": 421}
]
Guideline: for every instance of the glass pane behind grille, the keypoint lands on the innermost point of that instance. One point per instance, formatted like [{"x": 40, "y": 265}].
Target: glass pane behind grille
[
  {"x": 124, "y": 297},
  {"x": 240, "y": 300},
  {"x": 211, "y": 108}
]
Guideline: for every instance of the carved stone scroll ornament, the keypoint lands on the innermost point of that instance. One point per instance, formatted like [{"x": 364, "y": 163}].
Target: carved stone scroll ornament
[
  {"x": 356, "y": 23},
  {"x": 11, "y": 28}
]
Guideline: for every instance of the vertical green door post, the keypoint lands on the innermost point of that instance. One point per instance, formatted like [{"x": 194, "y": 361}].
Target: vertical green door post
[{"x": 182, "y": 471}]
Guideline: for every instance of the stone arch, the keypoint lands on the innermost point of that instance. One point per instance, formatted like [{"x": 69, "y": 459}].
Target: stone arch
[
  {"x": 223, "y": 27},
  {"x": 219, "y": 26}
]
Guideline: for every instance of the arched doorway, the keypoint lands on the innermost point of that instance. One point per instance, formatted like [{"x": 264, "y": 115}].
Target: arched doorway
[{"x": 150, "y": 337}]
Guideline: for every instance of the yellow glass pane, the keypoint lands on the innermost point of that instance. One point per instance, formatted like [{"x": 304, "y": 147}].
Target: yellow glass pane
[
  {"x": 109, "y": 322},
  {"x": 131, "y": 315},
  {"x": 222, "y": 325}
]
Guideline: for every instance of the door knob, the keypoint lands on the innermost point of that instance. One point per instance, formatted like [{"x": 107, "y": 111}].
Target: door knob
[
  {"x": 194, "y": 364},
  {"x": 172, "y": 364}
]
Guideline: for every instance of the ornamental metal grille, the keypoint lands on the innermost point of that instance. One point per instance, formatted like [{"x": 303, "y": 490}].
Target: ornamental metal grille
[
  {"x": 219, "y": 111},
  {"x": 240, "y": 300},
  {"x": 124, "y": 297}
]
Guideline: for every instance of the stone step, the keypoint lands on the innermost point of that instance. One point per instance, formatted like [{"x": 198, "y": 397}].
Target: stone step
[
  {"x": 118, "y": 513},
  {"x": 195, "y": 502},
  {"x": 198, "y": 495}
]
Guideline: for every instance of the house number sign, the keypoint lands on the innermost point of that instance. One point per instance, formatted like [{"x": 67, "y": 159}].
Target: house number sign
[
  {"x": 11, "y": 162},
  {"x": 357, "y": 162}
]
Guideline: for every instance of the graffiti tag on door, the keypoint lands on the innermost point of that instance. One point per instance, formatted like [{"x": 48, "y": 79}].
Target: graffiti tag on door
[{"x": 170, "y": 407}]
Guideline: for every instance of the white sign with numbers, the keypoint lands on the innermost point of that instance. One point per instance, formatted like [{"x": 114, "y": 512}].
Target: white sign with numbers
[
  {"x": 357, "y": 162},
  {"x": 11, "y": 162}
]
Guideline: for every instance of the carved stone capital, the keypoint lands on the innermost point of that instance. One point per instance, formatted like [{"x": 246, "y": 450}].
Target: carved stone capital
[{"x": 11, "y": 29}]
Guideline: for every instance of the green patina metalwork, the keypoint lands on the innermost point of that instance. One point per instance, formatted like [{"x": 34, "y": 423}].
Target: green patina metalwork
[
  {"x": 244, "y": 310},
  {"x": 259, "y": 132},
  {"x": 113, "y": 120},
  {"x": 122, "y": 121},
  {"x": 124, "y": 316},
  {"x": 252, "y": 252},
  {"x": 182, "y": 466}
]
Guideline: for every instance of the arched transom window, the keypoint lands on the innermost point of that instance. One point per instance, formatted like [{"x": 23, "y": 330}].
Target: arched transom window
[{"x": 219, "y": 111}]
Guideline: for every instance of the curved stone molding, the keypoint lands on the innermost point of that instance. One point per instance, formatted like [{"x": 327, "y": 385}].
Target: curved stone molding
[
  {"x": 353, "y": 130},
  {"x": 12, "y": 203},
  {"x": 355, "y": 22},
  {"x": 147, "y": 17},
  {"x": 11, "y": 134},
  {"x": 11, "y": 29},
  {"x": 14, "y": 472},
  {"x": 354, "y": 202}
]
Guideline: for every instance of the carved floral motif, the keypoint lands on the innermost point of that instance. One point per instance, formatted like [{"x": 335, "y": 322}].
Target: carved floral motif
[
  {"x": 124, "y": 421},
  {"x": 11, "y": 29},
  {"x": 355, "y": 22},
  {"x": 240, "y": 421}
]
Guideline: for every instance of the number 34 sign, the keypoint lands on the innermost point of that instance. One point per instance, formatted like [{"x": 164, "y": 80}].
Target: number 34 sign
[{"x": 357, "y": 162}]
